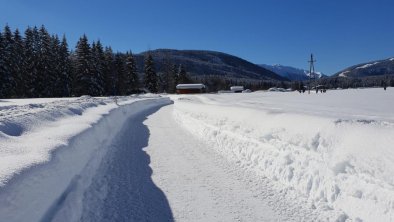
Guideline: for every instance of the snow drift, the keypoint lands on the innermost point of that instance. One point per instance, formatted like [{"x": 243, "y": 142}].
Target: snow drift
[
  {"x": 52, "y": 148},
  {"x": 343, "y": 165}
]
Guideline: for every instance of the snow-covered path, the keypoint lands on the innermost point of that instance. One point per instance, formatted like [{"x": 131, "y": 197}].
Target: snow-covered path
[
  {"x": 201, "y": 186},
  {"x": 197, "y": 186},
  {"x": 155, "y": 170},
  {"x": 122, "y": 189},
  {"x": 199, "y": 158}
]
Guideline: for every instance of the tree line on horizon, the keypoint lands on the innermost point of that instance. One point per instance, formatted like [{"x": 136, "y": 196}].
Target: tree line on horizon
[{"x": 38, "y": 64}]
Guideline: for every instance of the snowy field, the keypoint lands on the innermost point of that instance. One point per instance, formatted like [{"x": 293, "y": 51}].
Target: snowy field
[
  {"x": 262, "y": 156},
  {"x": 334, "y": 149}
]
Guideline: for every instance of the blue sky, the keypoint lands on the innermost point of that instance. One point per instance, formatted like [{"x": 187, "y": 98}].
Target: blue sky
[{"x": 339, "y": 32}]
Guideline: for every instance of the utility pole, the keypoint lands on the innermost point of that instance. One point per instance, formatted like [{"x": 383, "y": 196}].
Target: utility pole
[{"x": 311, "y": 70}]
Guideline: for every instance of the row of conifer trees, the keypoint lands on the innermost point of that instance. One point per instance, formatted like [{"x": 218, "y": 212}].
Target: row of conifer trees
[{"x": 38, "y": 64}]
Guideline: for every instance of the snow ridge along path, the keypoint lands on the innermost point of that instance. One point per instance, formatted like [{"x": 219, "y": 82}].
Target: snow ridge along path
[
  {"x": 44, "y": 191},
  {"x": 334, "y": 149},
  {"x": 202, "y": 186}
]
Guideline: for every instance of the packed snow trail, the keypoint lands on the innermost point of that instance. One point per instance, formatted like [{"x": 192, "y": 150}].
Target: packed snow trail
[
  {"x": 157, "y": 171},
  {"x": 202, "y": 186},
  {"x": 123, "y": 189}
]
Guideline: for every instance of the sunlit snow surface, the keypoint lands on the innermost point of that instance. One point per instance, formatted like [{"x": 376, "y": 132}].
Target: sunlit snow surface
[
  {"x": 336, "y": 149},
  {"x": 30, "y": 129}
]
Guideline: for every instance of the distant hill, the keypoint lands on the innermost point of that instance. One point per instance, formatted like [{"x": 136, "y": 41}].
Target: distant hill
[
  {"x": 374, "y": 68},
  {"x": 199, "y": 63},
  {"x": 291, "y": 72}
]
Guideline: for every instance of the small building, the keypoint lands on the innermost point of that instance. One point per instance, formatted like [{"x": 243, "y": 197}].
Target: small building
[
  {"x": 190, "y": 88},
  {"x": 237, "y": 89}
]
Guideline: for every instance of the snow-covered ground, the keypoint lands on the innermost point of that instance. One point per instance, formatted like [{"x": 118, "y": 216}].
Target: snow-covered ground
[
  {"x": 262, "y": 156},
  {"x": 30, "y": 129},
  {"x": 46, "y": 145},
  {"x": 334, "y": 149}
]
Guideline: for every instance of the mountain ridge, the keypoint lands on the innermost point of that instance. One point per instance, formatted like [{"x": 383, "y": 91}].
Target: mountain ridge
[
  {"x": 205, "y": 62},
  {"x": 372, "y": 68},
  {"x": 292, "y": 73}
]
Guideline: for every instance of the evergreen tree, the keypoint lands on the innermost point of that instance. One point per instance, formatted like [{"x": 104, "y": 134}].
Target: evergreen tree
[
  {"x": 30, "y": 68},
  {"x": 99, "y": 69},
  {"x": 18, "y": 64},
  {"x": 120, "y": 67},
  {"x": 45, "y": 78},
  {"x": 150, "y": 79},
  {"x": 7, "y": 83},
  {"x": 109, "y": 72},
  {"x": 169, "y": 76},
  {"x": 164, "y": 77},
  {"x": 55, "y": 89},
  {"x": 2, "y": 65},
  {"x": 131, "y": 78},
  {"x": 182, "y": 75},
  {"x": 63, "y": 81},
  {"x": 83, "y": 68},
  {"x": 95, "y": 69},
  {"x": 174, "y": 78}
]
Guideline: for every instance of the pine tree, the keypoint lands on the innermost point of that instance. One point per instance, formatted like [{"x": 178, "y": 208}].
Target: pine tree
[
  {"x": 45, "y": 78},
  {"x": 55, "y": 72},
  {"x": 7, "y": 82},
  {"x": 30, "y": 68},
  {"x": 182, "y": 75},
  {"x": 2, "y": 66},
  {"x": 120, "y": 66},
  {"x": 174, "y": 78},
  {"x": 150, "y": 79},
  {"x": 95, "y": 69},
  {"x": 169, "y": 76},
  {"x": 131, "y": 78},
  {"x": 109, "y": 72},
  {"x": 18, "y": 66},
  {"x": 98, "y": 67},
  {"x": 63, "y": 69},
  {"x": 83, "y": 69}
]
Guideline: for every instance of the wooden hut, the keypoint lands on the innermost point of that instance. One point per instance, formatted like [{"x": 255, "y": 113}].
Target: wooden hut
[{"x": 190, "y": 88}]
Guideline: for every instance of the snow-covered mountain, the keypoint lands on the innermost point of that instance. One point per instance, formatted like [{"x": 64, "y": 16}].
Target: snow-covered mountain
[
  {"x": 373, "y": 68},
  {"x": 203, "y": 62},
  {"x": 291, "y": 72}
]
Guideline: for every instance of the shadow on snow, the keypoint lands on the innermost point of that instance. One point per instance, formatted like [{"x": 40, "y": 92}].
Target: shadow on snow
[{"x": 125, "y": 179}]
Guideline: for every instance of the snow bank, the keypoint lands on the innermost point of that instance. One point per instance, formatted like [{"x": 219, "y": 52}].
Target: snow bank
[
  {"x": 342, "y": 165},
  {"x": 30, "y": 129},
  {"x": 75, "y": 136}
]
